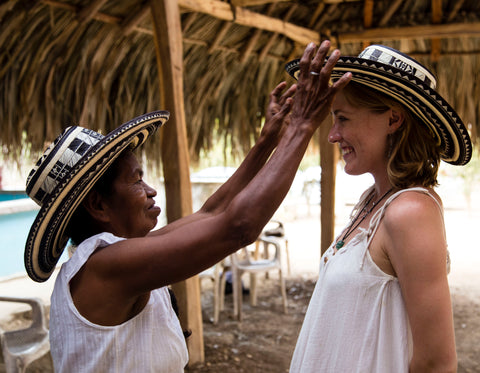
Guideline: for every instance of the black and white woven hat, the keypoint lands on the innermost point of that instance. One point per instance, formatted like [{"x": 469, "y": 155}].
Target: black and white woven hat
[
  {"x": 63, "y": 176},
  {"x": 401, "y": 77}
]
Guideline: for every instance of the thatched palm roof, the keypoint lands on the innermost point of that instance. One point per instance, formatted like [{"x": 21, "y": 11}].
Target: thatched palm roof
[{"x": 93, "y": 62}]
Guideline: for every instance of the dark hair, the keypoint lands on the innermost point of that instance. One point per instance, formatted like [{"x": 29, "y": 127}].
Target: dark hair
[
  {"x": 413, "y": 154},
  {"x": 82, "y": 225}
]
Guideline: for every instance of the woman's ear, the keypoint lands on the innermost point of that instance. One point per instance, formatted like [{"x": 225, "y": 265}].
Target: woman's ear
[
  {"x": 396, "y": 120},
  {"x": 95, "y": 206}
]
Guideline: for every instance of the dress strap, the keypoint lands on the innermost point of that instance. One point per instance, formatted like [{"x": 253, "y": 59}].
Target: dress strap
[{"x": 377, "y": 217}]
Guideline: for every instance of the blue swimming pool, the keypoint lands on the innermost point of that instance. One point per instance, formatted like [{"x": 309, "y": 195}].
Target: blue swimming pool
[
  {"x": 14, "y": 229},
  {"x": 8, "y": 195}
]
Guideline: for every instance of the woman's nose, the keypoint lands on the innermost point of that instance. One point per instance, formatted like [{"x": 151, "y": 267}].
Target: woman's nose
[
  {"x": 334, "y": 135},
  {"x": 151, "y": 192}
]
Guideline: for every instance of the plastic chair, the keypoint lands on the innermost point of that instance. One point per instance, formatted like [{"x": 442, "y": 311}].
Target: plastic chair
[
  {"x": 247, "y": 263},
  {"x": 23, "y": 346},
  {"x": 213, "y": 273},
  {"x": 275, "y": 229}
]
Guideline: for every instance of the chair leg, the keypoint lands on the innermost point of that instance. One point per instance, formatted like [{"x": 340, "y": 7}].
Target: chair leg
[
  {"x": 237, "y": 293},
  {"x": 283, "y": 290},
  {"x": 216, "y": 296},
  {"x": 234, "y": 292},
  {"x": 288, "y": 257},
  {"x": 222, "y": 290},
  {"x": 14, "y": 364},
  {"x": 253, "y": 289}
]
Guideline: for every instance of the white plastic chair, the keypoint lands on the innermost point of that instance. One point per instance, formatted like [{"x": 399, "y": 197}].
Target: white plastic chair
[
  {"x": 275, "y": 229},
  {"x": 21, "y": 347},
  {"x": 213, "y": 273},
  {"x": 247, "y": 263}
]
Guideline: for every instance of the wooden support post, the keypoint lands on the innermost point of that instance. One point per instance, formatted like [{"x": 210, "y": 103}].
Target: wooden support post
[
  {"x": 169, "y": 49},
  {"x": 328, "y": 163},
  {"x": 437, "y": 14},
  {"x": 367, "y": 19}
]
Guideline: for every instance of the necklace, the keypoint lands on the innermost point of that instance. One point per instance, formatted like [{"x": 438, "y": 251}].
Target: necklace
[{"x": 354, "y": 225}]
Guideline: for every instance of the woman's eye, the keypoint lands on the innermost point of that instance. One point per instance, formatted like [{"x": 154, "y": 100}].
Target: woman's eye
[{"x": 341, "y": 118}]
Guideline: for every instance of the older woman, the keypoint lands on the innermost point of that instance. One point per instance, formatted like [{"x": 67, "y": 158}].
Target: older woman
[
  {"x": 110, "y": 310},
  {"x": 382, "y": 301}
]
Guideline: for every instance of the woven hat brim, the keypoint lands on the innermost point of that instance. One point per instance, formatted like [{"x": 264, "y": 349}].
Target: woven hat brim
[
  {"x": 46, "y": 240},
  {"x": 427, "y": 104}
]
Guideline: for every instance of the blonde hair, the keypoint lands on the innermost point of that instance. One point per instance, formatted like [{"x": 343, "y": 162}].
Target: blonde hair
[{"x": 413, "y": 154}]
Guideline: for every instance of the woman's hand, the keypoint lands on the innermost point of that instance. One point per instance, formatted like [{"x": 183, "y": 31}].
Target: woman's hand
[
  {"x": 276, "y": 118},
  {"x": 315, "y": 93}
]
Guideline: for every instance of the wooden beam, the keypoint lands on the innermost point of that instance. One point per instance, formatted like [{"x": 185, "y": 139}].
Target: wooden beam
[
  {"x": 443, "y": 31},
  {"x": 244, "y": 17},
  {"x": 168, "y": 45}
]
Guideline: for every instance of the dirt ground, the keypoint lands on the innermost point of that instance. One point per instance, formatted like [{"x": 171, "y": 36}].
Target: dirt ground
[{"x": 264, "y": 340}]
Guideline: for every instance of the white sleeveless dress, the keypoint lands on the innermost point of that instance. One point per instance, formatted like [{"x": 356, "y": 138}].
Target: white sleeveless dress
[
  {"x": 356, "y": 320},
  {"x": 152, "y": 341}
]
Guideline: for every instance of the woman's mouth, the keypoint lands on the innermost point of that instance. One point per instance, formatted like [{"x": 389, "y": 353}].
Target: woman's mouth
[
  {"x": 155, "y": 208},
  {"x": 346, "y": 150}
]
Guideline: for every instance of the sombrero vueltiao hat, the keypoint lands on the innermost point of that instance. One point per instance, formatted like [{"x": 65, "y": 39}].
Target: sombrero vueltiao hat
[
  {"x": 399, "y": 76},
  {"x": 63, "y": 176}
]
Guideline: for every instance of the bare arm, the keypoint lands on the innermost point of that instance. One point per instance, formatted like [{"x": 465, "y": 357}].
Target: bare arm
[
  {"x": 235, "y": 215},
  {"x": 418, "y": 254},
  {"x": 275, "y": 124}
]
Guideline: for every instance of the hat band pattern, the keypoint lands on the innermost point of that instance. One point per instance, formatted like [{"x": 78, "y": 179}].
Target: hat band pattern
[
  {"x": 75, "y": 175},
  {"x": 422, "y": 100},
  {"x": 400, "y": 61},
  {"x": 397, "y": 75},
  {"x": 77, "y": 142}
]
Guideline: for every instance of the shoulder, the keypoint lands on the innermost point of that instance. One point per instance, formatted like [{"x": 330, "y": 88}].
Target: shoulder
[
  {"x": 411, "y": 206},
  {"x": 414, "y": 231}
]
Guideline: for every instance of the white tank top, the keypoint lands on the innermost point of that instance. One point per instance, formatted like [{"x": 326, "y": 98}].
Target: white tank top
[
  {"x": 152, "y": 341},
  {"x": 356, "y": 320}
]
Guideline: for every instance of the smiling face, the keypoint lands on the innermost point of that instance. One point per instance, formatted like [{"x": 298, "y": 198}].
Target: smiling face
[
  {"x": 130, "y": 206},
  {"x": 362, "y": 136}
]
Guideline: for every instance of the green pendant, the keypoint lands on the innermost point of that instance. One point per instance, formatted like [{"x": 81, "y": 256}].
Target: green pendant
[{"x": 339, "y": 244}]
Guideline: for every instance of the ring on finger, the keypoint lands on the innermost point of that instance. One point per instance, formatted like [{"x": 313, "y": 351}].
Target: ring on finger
[{"x": 314, "y": 73}]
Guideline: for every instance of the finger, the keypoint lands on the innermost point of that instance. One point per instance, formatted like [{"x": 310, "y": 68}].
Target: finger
[
  {"x": 342, "y": 82},
  {"x": 289, "y": 93},
  {"x": 327, "y": 69},
  {"x": 278, "y": 89},
  {"x": 320, "y": 56},
  {"x": 332, "y": 60},
  {"x": 305, "y": 61},
  {"x": 285, "y": 109}
]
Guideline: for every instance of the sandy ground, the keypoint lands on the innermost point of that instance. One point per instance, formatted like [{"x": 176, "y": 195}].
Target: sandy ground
[{"x": 264, "y": 341}]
